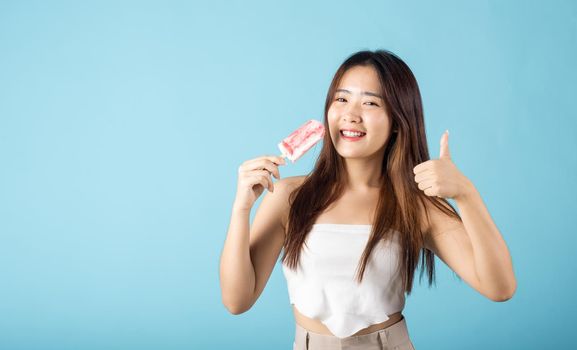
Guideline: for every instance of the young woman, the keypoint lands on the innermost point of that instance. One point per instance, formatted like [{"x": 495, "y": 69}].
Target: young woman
[{"x": 354, "y": 230}]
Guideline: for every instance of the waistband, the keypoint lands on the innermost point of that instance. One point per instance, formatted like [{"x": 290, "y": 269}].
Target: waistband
[{"x": 394, "y": 335}]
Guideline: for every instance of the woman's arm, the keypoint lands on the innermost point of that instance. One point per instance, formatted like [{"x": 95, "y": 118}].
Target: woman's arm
[
  {"x": 492, "y": 258},
  {"x": 474, "y": 249},
  {"x": 236, "y": 269},
  {"x": 250, "y": 253}
]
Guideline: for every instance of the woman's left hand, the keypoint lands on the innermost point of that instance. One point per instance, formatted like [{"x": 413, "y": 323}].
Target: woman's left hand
[{"x": 440, "y": 177}]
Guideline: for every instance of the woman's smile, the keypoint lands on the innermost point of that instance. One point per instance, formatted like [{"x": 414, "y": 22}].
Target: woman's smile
[{"x": 352, "y": 137}]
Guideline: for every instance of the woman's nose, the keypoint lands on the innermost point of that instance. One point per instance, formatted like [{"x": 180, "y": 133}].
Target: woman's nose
[
  {"x": 352, "y": 115},
  {"x": 352, "y": 112}
]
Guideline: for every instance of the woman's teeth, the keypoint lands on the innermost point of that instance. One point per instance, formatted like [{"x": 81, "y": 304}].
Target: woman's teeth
[{"x": 352, "y": 134}]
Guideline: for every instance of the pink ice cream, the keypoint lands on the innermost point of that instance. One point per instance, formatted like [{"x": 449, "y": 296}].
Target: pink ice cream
[{"x": 302, "y": 139}]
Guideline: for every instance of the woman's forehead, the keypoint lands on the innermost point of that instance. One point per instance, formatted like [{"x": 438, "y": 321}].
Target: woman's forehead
[
  {"x": 356, "y": 91},
  {"x": 360, "y": 78}
]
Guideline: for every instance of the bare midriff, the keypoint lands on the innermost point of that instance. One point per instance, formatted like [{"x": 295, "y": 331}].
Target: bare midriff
[{"x": 316, "y": 326}]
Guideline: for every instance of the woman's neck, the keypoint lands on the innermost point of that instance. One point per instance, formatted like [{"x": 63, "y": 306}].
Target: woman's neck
[{"x": 363, "y": 175}]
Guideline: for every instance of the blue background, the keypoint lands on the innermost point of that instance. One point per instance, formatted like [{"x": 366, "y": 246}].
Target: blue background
[{"x": 122, "y": 126}]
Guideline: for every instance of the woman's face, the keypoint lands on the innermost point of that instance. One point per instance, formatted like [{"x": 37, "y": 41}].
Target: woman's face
[{"x": 358, "y": 105}]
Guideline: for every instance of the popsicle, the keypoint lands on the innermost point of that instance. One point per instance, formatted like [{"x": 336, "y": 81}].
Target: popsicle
[{"x": 301, "y": 140}]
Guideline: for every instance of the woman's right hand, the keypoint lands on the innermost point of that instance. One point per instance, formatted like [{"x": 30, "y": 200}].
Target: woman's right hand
[{"x": 254, "y": 175}]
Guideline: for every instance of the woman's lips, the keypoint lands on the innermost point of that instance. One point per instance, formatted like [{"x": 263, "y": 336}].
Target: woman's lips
[{"x": 351, "y": 138}]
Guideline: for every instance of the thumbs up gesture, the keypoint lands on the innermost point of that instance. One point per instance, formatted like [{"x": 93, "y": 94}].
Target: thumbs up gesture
[{"x": 440, "y": 177}]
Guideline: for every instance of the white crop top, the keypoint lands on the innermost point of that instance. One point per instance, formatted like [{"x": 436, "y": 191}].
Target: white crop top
[{"x": 324, "y": 287}]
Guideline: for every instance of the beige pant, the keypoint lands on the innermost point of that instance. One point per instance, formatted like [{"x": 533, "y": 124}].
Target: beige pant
[{"x": 394, "y": 337}]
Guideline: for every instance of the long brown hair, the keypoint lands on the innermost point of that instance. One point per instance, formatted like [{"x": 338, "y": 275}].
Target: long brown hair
[{"x": 399, "y": 197}]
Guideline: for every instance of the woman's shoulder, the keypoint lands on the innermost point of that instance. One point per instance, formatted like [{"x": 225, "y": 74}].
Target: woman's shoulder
[
  {"x": 284, "y": 187},
  {"x": 287, "y": 185},
  {"x": 292, "y": 181}
]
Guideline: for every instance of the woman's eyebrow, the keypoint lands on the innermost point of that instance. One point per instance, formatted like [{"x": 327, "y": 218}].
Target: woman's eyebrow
[{"x": 368, "y": 93}]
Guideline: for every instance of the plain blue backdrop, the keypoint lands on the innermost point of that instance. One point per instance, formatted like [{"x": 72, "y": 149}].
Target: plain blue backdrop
[{"x": 123, "y": 123}]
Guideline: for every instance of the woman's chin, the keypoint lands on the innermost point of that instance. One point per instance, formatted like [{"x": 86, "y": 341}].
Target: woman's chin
[
  {"x": 351, "y": 156},
  {"x": 347, "y": 154}
]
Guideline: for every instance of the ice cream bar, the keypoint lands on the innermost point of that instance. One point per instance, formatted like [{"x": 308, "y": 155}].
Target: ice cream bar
[{"x": 302, "y": 139}]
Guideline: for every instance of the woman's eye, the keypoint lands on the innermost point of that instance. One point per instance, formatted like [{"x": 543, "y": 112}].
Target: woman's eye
[{"x": 341, "y": 99}]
